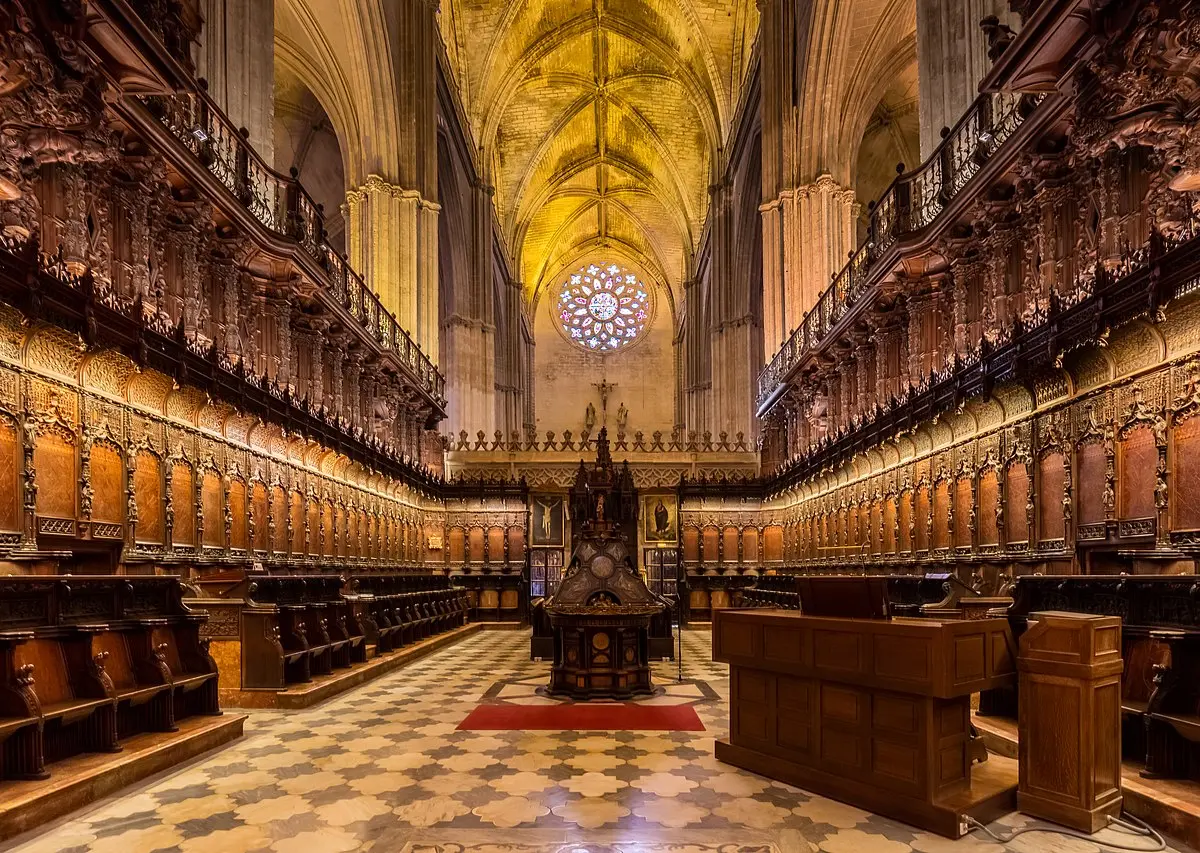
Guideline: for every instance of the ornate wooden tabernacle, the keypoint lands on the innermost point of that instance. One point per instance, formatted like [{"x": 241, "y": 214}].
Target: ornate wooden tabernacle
[{"x": 602, "y": 610}]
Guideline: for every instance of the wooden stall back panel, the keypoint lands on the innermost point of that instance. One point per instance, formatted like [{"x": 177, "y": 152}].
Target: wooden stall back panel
[
  {"x": 495, "y": 540},
  {"x": 475, "y": 545},
  {"x": 750, "y": 544},
  {"x": 1090, "y": 479},
  {"x": 354, "y": 546},
  {"x": 941, "y": 515},
  {"x": 906, "y": 514},
  {"x": 260, "y": 512},
  {"x": 329, "y": 529},
  {"x": 1185, "y": 482},
  {"x": 963, "y": 507},
  {"x": 1051, "y": 476},
  {"x": 183, "y": 505},
  {"x": 54, "y": 460},
  {"x": 730, "y": 538},
  {"x": 922, "y": 518},
  {"x": 279, "y": 511},
  {"x": 989, "y": 497},
  {"x": 210, "y": 507},
  {"x": 1016, "y": 519},
  {"x": 874, "y": 520},
  {"x": 889, "y": 526},
  {"x": 1138, "y": 460},
  {"x": 710, "y": 538},
  {"x": 10, "y": 469},
  {"x": 49, "y": 667},
  {"x": 691, "y": 544},
  {"x": 313, "y": 514},
  {"x": 516, "y": 544},
  {"x": 108, "y": 485},
  {"x": 296, "y": 502},
  {"x": 118, "y": 665},
  {"x": 773, "y": 544},
  {"x": 237, "y": 515},
  {"x": 148, "y": 498},
  {"x": 457, "y": 544}
]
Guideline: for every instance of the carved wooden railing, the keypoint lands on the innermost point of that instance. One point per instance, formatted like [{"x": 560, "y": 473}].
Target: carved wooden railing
[
  {"x": 570, "y": 442},
  {"x": 283, "y": 207},
  {"x": 912, "y": 203}
]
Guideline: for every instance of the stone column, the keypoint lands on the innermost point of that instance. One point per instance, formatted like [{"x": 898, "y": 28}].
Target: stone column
[
  {"x": 951, "y": 60},
  {"x": 393, "y": 245},
  {"x": 808, "y": 235},
  {"x": 236, "y": 55}
]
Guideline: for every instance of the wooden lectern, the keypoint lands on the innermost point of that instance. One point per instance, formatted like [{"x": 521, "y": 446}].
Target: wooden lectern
[
  {"x": 1070, "y": 719},
  {"x": 873, "y": 712}
]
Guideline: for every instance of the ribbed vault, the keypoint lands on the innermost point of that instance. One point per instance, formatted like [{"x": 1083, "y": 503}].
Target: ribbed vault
[{"x": 600, "y": 121}]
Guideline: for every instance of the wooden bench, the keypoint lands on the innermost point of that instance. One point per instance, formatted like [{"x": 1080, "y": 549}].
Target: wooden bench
[
  {"x": 408, "y": 608},
  {"x": 936, "y": 594},
  {"x": 85, "y": 662},
  {"x": 1160, "y": 644}
]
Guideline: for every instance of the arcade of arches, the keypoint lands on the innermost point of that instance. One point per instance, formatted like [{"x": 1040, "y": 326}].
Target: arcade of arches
[{"x": 318, "y": 318}]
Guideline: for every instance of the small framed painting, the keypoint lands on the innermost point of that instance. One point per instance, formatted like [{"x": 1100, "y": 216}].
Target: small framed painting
[
  {"x": 661, "y": 518},
  {"x": 547, "y": 521}
]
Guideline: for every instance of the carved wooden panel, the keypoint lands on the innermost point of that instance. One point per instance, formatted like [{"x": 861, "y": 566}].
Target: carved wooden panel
[
  {"x": 921, "y": 505},
  {"x": 989, "y": 496},
  {"x": 750, "y": 544},
  {"x": 964, "y": 504},
  {"x": 458, "y": 553},
  {"x": 941, "y": 514},
  {"x": 495, "y": 540},
  {"x": 148, "y": 498},
  {"x": 328, "y": 528},
  {"x": 183, "y": 504},
  {"x": 711, "y": 535},
  {"x": 279, "y": 512},
  {"x": 259, "y": 512},
  {"x": 691, "y": 544},
  {"x": 238, "y": 531},
  {"x": 313, "y": 515},
  {"x": 353, "y": 544},
  {"x": 55, "y": 461},
  {"x": 889, "y": 526},
  {"x": 1138, "y": 461},
  {"x": 341, "y": 533},
  {"x": 475, "y": 545},
  {"x": 906, "y": 514},
  {"x": 10, "y": 475},
  {"x": 108, "y": 484},
  {"x": 516, "y": 544},
  {"x": 1185, "y": 483},
  {"x": 1091, "y": 480},
  {"x": 296, "y": 514},
  {"x": 212, "y": 509},
  {"x": 1016, "y": 520},
  {"x": 773, "y": 544},
  {"x": 1051, "y": 476},
  {"x": 730, "y": 538},
  {"x": 874, "y": 519}
]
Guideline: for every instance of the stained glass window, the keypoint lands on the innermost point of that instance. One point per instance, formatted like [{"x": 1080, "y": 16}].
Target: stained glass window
[{"x": 603, "y": 307}]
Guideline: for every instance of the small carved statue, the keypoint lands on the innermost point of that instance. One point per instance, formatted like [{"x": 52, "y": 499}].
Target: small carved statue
[
  {"x": 999, "y": 36},
  {"x": 622, "y": 418},
  {"x": 589, "y": 417},
  {"x": 600, "y": 507}
]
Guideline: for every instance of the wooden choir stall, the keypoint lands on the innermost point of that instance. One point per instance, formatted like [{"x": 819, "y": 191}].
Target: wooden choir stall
[{"x": 845, "y": 701}]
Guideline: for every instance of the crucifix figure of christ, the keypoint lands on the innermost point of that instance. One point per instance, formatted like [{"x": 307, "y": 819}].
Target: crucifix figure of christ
[{"x": 605, "y": 388}]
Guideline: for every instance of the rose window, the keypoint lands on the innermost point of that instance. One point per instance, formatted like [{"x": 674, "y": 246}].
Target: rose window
[{"x": 603, "y": 308}]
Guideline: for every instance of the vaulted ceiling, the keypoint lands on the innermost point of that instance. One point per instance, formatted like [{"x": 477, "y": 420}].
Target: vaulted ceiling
[{"x": 600, "y": 121}]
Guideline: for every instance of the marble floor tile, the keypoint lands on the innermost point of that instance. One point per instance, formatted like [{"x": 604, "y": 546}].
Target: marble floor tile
[{"x": 384, "y": 768}]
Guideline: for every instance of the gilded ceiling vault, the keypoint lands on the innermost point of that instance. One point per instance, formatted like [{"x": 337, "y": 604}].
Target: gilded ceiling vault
[{"x": 599, "y": 121}]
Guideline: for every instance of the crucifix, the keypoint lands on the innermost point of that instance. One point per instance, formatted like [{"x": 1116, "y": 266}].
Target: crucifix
[{"x": 605, "y": 388}]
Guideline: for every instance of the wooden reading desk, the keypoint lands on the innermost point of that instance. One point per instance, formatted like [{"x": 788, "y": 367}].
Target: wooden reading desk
[{"x": 874, "y": 711}]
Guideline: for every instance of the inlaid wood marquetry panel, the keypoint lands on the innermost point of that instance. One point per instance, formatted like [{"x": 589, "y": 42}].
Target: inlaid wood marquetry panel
[
  {"x": 10, "y": 475},
  {"x": 212, "y": 509},
  {"x": 148, "y": 498},
  {"x": 238, "y": 516},
  {"x": 183, "y": 504},
  {"x": 108, "y": 484},
  {"x": 55, "y": 459},
  {"x": 1138, "y": 460}
]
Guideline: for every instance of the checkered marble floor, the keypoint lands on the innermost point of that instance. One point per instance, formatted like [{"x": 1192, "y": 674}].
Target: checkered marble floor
[{"x": 383, "y": 768}]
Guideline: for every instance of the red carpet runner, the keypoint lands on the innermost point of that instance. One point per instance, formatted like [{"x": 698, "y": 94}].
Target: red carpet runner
[{"x": 584, "y": 716}]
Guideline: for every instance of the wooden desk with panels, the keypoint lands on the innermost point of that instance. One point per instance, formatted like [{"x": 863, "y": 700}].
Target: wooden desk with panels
[{"x": 872, "y": 712}]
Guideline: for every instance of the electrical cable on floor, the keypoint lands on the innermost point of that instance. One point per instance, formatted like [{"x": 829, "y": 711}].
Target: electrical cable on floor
[{"x": 1136, "y": 828}]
